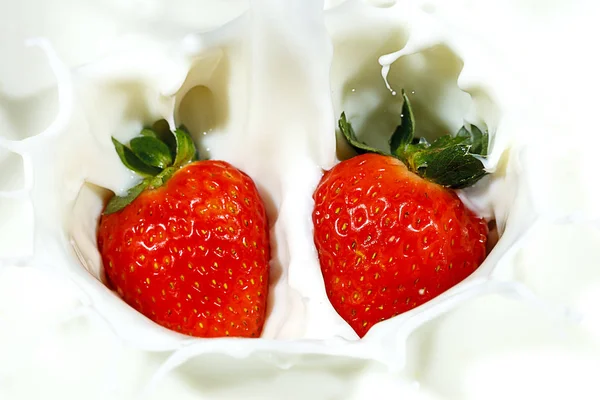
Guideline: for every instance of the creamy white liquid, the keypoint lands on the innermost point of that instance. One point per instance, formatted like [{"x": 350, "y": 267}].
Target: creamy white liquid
[{"x": 264, "y": 92}]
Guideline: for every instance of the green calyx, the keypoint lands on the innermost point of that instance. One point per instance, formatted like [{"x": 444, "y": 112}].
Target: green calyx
[
  {"x": 452, "y": 161},
  {"x": 155, "y": 155}
]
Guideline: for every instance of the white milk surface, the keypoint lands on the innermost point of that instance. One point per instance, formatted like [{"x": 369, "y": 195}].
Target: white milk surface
[{"x": 261, "y": 85}]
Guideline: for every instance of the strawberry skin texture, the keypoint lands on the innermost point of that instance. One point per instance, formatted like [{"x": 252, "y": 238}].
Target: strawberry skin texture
[
  {"x": 193, "y": 255},
  {"x": 388, "y": 240}
]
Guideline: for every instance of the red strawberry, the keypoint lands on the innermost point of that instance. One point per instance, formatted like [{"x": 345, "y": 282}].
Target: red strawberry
[
  {"x": 190, "y": 250},
  {"x": 389, "y": 240}
]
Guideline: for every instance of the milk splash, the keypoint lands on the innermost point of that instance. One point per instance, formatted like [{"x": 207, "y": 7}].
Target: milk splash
[{"x": 262, "y": 88}]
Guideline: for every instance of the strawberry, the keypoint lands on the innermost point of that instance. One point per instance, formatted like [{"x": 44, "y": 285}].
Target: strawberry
[
  {"x": 389, "y": 231},
  {"x": 188, "y": 247}
]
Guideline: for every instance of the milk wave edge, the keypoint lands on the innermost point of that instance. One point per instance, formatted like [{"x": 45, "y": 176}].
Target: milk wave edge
[{"x": 523, "y": 326}]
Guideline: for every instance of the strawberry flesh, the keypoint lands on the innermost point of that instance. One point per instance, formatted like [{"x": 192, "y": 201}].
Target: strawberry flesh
[
  {"x": 193, "y": 254},
  {"x": 388, "y": 240}
]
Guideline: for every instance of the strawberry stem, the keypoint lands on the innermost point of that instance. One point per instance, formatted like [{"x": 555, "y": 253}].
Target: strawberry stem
[
  {"x": 155, "y": 155},
  {"x": 452, "y": 160}
]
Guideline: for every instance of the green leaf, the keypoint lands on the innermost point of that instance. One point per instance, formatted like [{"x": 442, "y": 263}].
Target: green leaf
[
  {"x": 451, "y": 166},
  {"x": 463, "y": 132},
  {"x": 151, "y": 155},
  {"x": 163, "y": 177},
  {"x": 149, "y": 132},
  {"x": 163, "y": 132},
  {"x": 448, "y": 140},
  {"x": 131, "y": 161},
  {"x": 151, "y": 151},
  {"x": 405, "y": 132},
  {"x": 448, "y": 161},
  {"x": 186, "y": 150},
  {"x": 350, "y": 135},
  {"x": 480, "y": 141},
  {"x": 117, "y": 203},
  {"x": 451, "y": 161}
]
